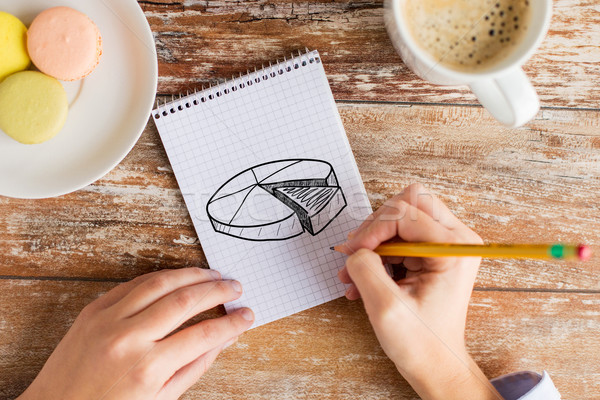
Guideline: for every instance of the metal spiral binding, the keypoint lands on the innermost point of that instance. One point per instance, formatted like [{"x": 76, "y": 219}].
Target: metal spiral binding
[{"x": 234, "y": 84}]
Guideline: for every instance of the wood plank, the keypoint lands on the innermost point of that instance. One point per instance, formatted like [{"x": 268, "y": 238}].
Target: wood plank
[
  {"x": 328, "y": 351},
  {"x": 535, "y": 184},
  {"x": 201, "y": 42},
  {"x": 131, "y": 222}
]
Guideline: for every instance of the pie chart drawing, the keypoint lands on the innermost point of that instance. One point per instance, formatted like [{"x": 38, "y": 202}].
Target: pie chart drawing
[{"x": 277, "y": 200}]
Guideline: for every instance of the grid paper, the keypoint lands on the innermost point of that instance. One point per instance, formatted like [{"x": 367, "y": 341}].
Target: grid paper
[{"x": 282, "y": 112}]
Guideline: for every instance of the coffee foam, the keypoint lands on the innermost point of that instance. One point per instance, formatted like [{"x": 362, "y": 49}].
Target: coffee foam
[{"x": 468, "y": 35}]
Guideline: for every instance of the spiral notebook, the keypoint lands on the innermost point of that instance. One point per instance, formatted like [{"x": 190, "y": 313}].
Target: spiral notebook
[{"x": 270, "y": 181}]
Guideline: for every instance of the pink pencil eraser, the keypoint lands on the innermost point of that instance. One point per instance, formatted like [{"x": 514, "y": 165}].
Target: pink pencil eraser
[{"x": 584, "y": 252}]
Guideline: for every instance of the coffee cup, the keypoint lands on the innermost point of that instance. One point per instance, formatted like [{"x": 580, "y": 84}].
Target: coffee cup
[{"x": 479, "y": 43}]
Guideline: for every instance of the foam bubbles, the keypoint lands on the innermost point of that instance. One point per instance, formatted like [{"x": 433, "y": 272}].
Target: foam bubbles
[{"x": 468, "y": 34}]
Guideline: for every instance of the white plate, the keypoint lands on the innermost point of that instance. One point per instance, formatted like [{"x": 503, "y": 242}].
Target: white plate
[{"x": 108, "y": 112}]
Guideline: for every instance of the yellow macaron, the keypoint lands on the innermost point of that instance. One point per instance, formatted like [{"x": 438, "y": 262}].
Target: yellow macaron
[
  {"x": 13, "y": 45},
  {"x": 33, "y": 107}
]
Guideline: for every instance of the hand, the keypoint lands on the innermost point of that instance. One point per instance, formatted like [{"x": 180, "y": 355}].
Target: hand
[
  {"x": 420, "y": 319},
  {"x": 119, "y": 346}
]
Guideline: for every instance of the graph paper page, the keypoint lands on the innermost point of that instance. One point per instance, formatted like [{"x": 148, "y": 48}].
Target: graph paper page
[{"x": 270, "y": 182}]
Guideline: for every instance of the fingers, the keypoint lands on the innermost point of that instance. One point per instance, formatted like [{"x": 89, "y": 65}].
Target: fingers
[
  {"x": 118, "y": 292},
  {"x": 343, "y": 276},
  {"x": 352, "y": 293},
  {"x": 162, "y": 317},
  {"x": 376, "y": 287},
  {"x": 187, "y": 345},
  {"x": 413, "y": 216},
  {"x": 417, "y": 195},
  {"x": 404, "y": 221},
  {"x": 365, "y": 224},
  {"x": 408, "y": 223},
  {"x": 160, "y": 285}
]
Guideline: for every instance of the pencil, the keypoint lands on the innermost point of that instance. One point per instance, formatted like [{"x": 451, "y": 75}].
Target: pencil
[{"x": 491, "y": 250}]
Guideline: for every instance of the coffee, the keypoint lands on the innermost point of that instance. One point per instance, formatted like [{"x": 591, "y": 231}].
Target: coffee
[{"x": 467, "y": 35}]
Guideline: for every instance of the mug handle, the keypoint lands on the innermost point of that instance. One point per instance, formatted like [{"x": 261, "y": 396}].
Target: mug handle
[{"x": 510, "y": 98}]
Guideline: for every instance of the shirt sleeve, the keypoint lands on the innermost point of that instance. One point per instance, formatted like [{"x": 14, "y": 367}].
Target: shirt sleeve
[{"x": 526, "y": 385}]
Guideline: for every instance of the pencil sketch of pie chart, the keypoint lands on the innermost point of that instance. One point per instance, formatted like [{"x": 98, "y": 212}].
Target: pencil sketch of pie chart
[{"x": 277, "y": 200}]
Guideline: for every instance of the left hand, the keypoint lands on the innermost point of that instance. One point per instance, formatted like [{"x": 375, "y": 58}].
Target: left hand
[{"x": 122, "y": 345}]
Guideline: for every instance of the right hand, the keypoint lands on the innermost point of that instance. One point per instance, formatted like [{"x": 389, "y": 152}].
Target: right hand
[
  {"x": 122, "y": 345},
  {"x": 420, "y": 319}
]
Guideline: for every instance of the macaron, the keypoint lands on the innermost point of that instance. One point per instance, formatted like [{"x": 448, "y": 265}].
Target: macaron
[
  {"x": 64, "y": 43},
  {"x": 13, "y": 45},
  {"x": 33, "y": 107}
]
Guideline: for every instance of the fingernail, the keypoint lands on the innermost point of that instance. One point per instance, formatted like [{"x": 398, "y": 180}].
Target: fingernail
[
  {"x": 229, "y": 343},
  {"x": 235, "y": 285},
  {"x": 247, "y": 314},
  {"x": 214, "y": 274},
  {"x": 351, "y": 234},
  {"x": 350, "y": 291}
]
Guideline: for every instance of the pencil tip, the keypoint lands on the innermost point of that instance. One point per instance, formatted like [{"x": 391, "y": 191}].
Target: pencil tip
[{"x": 332, "y": 248}]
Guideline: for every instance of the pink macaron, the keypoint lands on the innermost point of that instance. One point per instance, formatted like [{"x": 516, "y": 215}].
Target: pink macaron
[{"x": 64, "y": 43}]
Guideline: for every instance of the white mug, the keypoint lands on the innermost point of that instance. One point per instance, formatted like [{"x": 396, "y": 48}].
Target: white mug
[{"x": 504, "y": 89}]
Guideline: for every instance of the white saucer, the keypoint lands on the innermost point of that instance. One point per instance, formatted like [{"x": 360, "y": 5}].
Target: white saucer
[{"x": 108, "y": 112}]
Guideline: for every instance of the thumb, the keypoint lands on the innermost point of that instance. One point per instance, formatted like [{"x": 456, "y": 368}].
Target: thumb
[
  {"x": 187, "y": 376},
  {"x": 377, "y": 289}
]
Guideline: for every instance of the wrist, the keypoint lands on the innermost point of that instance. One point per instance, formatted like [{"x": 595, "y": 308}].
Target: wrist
[
  {"x": 451, "y": 375},
  {"x": 432, "y": 356}
]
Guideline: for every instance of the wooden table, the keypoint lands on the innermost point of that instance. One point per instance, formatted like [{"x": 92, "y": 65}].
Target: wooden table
[{"x": 537, "y": 183}]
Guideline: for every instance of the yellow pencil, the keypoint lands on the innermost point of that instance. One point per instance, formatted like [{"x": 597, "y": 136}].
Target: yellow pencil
[{"x": 491, "y": 250}]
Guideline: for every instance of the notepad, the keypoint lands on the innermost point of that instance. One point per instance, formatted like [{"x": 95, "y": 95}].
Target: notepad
[{"x": 270, "y": 181}]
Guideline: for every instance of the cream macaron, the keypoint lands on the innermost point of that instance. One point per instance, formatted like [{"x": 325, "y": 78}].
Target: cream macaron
[
  {"x": 64, "y": 43},
  {"x": 33, "y": 107},
  {"x": 13, "y": 47}
]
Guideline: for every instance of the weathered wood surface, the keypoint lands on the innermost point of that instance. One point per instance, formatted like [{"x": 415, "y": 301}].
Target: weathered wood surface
[
  {"x": 535, "y": 184},
  {"x": 328, "y": 352},
  {"x": 200, "y": 42}
]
